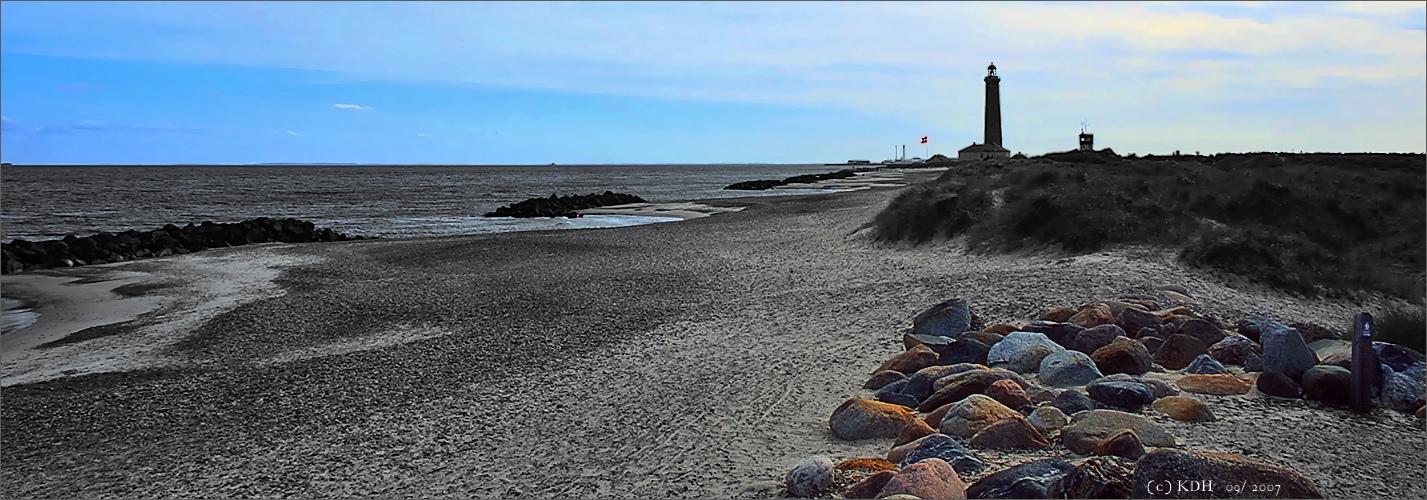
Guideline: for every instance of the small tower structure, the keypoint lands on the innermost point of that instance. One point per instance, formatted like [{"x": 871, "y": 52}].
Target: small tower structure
[{"x": 1087, "y": 140}]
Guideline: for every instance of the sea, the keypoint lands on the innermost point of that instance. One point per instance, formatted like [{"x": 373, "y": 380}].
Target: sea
[{"x": 406, "y": 201}]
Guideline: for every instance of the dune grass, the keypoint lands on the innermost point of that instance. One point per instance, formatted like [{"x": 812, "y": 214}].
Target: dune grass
[
  {"x": 1307, "y": 223},
  {"x": 1404, "y": 326}
]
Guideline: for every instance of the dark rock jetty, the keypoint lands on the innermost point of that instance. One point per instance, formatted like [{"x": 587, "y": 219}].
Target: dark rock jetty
[
  {"x": 103, "y": 248},
  {"x": 797, "y": 179},
  {"x": 563, "y": 206}
]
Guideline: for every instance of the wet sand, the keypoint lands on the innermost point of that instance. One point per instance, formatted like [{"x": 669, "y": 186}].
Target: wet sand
[{"x": 692, "y": 359}]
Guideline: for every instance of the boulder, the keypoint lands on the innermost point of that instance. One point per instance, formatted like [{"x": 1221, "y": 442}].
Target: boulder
[
  {"x": 968, "y": 416},
  {"x": 870, "y": 486},
  {"x": 910, "y": 340},
  {"x": 1001, "y": 328},
  {"x": 1395, "y": 356},
  {"x": 1027, "y": 360},
  {"x": 1160, "y": 388},
  {"x": 962, "y": 351},
  {"x": 1040, "y": 394},
  {"x": 1123, "y": 443},
  {"x": 813, "y": 475},
  {"x": 1096, "y": 477},
  {"x": 947, "y": 319},
  {"x": 1128, "y": 396},
  {"x": 1277, "y": 385},
  {"x": 1178, "y": 351},
  {"x": 1093, "y": 315},
  {"x": 934, "y": 418},
  {"x": 1402, "y": 390},
  {"x": 1250, "y": 327},
  {"x": 1071, "y": 402},
  {"x": 1027, "y": 480},
  {"x": 1206, "y": 332},
  {"x": 957, "y": 387},
  {"x": 1087, "y": 429},
  {"x": 1123, "y": 355},
  {"x": 1220, "y": 470},
  {"x": 984, "y": 337},
  {"x": 920, "y": 384},
  {"x": 1330, "y": 385},
  {"x": 899, "y": 452},
  {"x": 1161, "y": 331},
  {"x": 1067, "y": 368},
  {"x": 1047, "y": 419},
  {"x": 1184, "y": 409},
  {"x": 1312, "y": 333},
  {"x": 1420, "y": 412},
  {"x": 1016, "y": 344},
  {"x": 1060, "y": 333},
  {"x": 1057, "y": 315},
  {"x": 1132, "y": 319},
  {"x": 911, "y": 360},
  {"x": 1328, "y": 347},
  {"x": 1010, "y": 434},
  {"x": 1008, "y": 393},
  {"x": 1092, "y": 339},
  {"x": 859, "y": 418},
  {"x": 1205, "y": 365},
  {"x": 1219, "y": 385},
  {"x": 944, "y": 448},
  {"x": 865, "y": 464},
  {"x": 1234, "y": 350},
  {"x": 1284, "y": 350},
  {"x": 930, "y": 478},
  {"x": 1339, "y": 359},
  {"x": 1152, "y": 344},
  {"x": 882, "y": 378},
  {"x": 916, "y": 430}
]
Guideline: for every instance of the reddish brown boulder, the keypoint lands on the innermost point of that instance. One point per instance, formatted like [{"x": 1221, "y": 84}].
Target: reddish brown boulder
[
  {"x": 911, "y": 360},
  {"x": 869, "y": 487},
  {"x": 1122, "y": 443},
  {"x": 1010, "y": 434},
  {"x": 1206, "y": 332},
  {"x": 1001, "y": 328},
  {"x": 930, "y": 478},
  {"x": 1008, "y": 393},
  {"x": 1151, "y": 344},
  {"x": 916, "y": 430},
  {"x": 882, "y": 378},
  {"x": 859, "y": 418},
  {"x": 1133, "y": 319},
  {"x": 1313, "y": 333},
  {"x": 984, "y": 337},
  {"x": 1124, "y": 355},
  {"x": 897, "y": 453},
  {"x": 1278, "y": 385},
  {"x": 1216, "y": 384},
  {"x": 933, "y": 419},
  {"x": 1178, "y": 351},
  {"x": 1184, "y": 409},
  {"x": 1093, "y": 315},
  {"x": 1058, "y": 315},
  {"x": 867, "y": 464}
]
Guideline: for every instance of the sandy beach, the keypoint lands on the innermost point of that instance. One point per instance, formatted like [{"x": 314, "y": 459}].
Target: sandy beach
[{"x": 691, "y": 359}]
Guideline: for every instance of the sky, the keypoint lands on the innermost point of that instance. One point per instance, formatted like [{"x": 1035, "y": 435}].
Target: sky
[{"x": 689, "y": 82}]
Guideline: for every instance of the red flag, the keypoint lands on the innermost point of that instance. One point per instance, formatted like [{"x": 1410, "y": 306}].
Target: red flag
[{"x": 924, "y": 139}]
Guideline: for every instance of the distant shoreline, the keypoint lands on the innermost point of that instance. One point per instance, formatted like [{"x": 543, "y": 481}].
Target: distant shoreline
[{"x": 546, "y": 165}]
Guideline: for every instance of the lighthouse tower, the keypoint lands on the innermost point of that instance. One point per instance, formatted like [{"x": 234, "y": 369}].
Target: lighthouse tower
[{"x": 993, "y": 106}]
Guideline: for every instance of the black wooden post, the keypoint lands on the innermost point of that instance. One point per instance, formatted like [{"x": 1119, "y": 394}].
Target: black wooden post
[{"x": 1364, "y": 363}]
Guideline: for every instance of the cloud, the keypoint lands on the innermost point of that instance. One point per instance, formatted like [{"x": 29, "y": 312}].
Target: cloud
[
  {"x": 350, "y": 106},
  {"x": 422, "y": 135}
]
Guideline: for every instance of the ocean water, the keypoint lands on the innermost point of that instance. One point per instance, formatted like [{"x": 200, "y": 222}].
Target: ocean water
[{"x": 38, "y": 203}]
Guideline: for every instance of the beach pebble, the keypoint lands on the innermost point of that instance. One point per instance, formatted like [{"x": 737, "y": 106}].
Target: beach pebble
[
  {"x": 1047, "y": 419},
  {"x": 1184, "y": 409},
  {"x": 810, "y": 477},
  {"x": 944, "y": 448},
  {"x": 977, "y": 411},
  {"x": 1129, "y": 396},
  {"x": 1178, "y": 351},
  {"x": 1123, "y": 355},
  {"x": 859, "y": 418},
  {"x": 930, "y": 478},
  {"x": 1219, "y": 384},
  {"x": 1067, "y": 368},
  {"x": 1087, "y": 429},
  {"x": 1205, "y": 365},
  {"x": 1026, "y": 480},
  {"x": 1091, "y": 339},
  {"x": 1009, "y": 434},
  {"x": 1191, "y": 467},
  {"x": 1096, "y": 477}
]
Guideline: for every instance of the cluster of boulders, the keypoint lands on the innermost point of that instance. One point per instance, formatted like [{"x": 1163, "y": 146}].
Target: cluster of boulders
[
  {"x": 797, "y": 179},
  {"x": 1082, "y": 379},
  {"x": 21, "y": 255},
  {"x": 563, "y": 206}
]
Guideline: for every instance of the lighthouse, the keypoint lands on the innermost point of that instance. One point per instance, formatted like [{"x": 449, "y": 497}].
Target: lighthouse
[{"x": 991, "y": 147}]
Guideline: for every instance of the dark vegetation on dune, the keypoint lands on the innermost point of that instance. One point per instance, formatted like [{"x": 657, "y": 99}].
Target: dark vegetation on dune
[
  {"x": 1402, "y": 326},
  {"x": 797, "y": 179},
  {"x": 1306, "y": 223}
]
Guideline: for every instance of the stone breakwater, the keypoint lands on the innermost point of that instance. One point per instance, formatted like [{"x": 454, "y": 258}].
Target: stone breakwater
[
  {"x": 22, "y": 255},
  {"x": 1060, "y": 407},
  {"x": 563, "y": 206},
  {"x": 797, "y": 179}
]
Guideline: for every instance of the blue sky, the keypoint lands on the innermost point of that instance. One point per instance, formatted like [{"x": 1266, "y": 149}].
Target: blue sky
[{"x": 685, "y": 82}]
